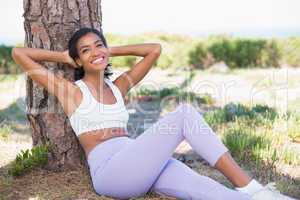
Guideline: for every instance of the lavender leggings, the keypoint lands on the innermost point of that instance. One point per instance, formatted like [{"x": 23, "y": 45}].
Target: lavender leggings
[{"x": 123, "y": 168}]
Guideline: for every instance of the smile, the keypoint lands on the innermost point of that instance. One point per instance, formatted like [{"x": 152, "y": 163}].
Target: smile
[{"x": 98, "y": 60}]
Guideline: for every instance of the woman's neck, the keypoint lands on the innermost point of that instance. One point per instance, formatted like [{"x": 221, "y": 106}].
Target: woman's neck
[{"x": 96, "y": 80}]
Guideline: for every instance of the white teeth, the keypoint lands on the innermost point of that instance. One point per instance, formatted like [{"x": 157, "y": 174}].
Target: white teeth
[{"x": 98, "y": 61}]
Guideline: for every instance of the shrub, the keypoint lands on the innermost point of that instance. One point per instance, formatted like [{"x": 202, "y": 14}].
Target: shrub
[
  {"x": 223, "y": 50},
  {"x": 271, "y": 55},
  {"x": 290, "y": 49},
  {"x": 197, "y": 56},
  {"x": 179, "y": 51},
  {"x": 29, "y": 159},
  {"x": 7, "y": 65}
]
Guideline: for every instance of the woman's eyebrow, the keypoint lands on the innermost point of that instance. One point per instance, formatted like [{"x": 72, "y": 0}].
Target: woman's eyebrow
[{"x": 83, "y": 46}]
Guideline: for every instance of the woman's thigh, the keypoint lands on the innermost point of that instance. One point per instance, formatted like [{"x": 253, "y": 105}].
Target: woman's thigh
[{"x": 132, "y": 171}]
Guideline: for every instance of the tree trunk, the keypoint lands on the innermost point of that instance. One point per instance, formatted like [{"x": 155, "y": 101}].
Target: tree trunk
[{"x": 49, "y": 24}]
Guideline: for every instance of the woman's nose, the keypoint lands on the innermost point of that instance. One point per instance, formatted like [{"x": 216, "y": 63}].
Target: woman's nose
[{"x": 97, "y": 51}]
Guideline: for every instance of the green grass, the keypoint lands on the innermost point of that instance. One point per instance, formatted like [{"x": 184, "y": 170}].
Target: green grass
[
  {"x": 29, "y": 159},
  {"x": 257, "y": 115},
  {"x": 251, "y": 136},
  {"x": 5, "y": 131},
  {"x": 4, "y": 78},
  {"x": 244, "y": 143},
  {"x": 290, "y": 156}
]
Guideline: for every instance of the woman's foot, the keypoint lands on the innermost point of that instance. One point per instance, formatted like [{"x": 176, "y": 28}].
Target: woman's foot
[
  {"x": 269, "y": 192},
  {"x": 260, "y": 192}
]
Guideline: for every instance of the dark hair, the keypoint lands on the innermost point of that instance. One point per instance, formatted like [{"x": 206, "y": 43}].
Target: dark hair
[{"x": 79, "y": 72}]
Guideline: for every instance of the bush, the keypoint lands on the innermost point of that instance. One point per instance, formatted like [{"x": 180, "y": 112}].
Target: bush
[
  {"x": 29, "y": 159},
  {"x": 197, "y": 56},
  {"x": 223, "y": 50},
  {"x": 236, "y": 53},
  {"x": 7, "y": 65},
  {"x": 290, "y": 50},
  {"x": 271, "y": 55}
]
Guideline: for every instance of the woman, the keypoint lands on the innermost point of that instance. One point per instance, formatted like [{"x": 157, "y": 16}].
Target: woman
[{"x": 122, "y": 167}]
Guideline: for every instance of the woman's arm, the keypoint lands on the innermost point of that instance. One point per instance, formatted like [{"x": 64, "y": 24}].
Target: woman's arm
[
  {"x": 128, "y": 79},
  {"x": 28, "y": 59}
]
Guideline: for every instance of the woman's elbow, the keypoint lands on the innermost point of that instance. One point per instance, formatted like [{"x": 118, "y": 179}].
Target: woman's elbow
[
  {"x": 15, "y": 53},
  {"x": 157, "y": 48}
]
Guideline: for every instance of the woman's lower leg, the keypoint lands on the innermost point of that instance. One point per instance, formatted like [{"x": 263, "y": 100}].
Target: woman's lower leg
[
  {"x": 195, "y": 124},
  {"x": 229, "y": 168}
]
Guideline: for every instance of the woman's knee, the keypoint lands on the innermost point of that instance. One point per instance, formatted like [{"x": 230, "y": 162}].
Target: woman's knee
[{"x": 187, "y": 109}]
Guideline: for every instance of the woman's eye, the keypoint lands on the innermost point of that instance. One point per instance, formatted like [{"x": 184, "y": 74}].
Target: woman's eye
[
  {"x": 84, "y": 50},
  {"x": 99, "y": 45}
]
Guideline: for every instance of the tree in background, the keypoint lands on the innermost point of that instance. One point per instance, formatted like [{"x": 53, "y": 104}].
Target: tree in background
[{"x": 49, "y": 24}]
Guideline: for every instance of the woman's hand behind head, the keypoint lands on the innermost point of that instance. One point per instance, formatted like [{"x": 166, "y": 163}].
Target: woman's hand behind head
[{"x": 69, "y": 60}]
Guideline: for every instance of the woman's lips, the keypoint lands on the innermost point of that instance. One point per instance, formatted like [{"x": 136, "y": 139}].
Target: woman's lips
[{"x": 98, "y": 60}]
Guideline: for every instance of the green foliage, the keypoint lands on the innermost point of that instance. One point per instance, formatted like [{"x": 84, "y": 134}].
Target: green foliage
[
  {"x": 250, "y": 136},
  {"x": 243, "y": 143},
  {"x": 180, "y": 51},
  {"x": 271, "y": 54},
  {"x": 13, "y": 112},
  {"x": 178, "y": 94},
  {"x": 236, "y": 53},
  {"x": 290, "y": 50},
  {"x": 175, "y": 48},
  {"x": 29, "y": 159},
  {"x": 123, "y": 61},
  {"x": 294, "y": 127},
  {"x": 5, "y": 131},
  {"x": 197, "y": 56},
  {"x": 290, "y": 156},
  {"x": 245, "y": 53},
  {"x": 8, "y": 77},
  {"x": 223, "y": 50},
  {"x": 257, "y": 115},
  {"x": 7, "y": 65}
]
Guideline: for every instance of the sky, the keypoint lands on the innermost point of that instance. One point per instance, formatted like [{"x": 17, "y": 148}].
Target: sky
[{"x": 248, "y": 18}]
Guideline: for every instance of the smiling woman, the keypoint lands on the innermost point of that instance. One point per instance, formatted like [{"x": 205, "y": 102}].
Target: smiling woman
[
  {"x": 97, "y": 113},
  {"x": 77, "y": 49},
  {"x": 88, "y": 52}
]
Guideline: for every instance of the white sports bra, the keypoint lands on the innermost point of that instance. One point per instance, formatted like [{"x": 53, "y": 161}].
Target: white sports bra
[{"x": 92, "y": 115}]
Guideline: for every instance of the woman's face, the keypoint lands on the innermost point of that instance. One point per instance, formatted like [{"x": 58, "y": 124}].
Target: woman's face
[{"x": 93, "y": 55}]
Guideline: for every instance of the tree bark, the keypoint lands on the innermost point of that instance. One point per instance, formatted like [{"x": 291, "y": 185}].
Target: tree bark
[{"x": 49, "y": 24}]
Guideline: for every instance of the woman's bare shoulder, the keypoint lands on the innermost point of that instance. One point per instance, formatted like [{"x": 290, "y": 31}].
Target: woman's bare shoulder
[{"x": 71, "y": 99}]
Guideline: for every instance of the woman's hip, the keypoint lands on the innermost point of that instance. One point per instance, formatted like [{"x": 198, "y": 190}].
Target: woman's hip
[{"x": 102, "y": 152}]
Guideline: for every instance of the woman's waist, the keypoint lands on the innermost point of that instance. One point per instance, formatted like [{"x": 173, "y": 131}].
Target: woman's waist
[
  {"x": 106, "y": 149},
  {"x": 93, "y": 138}
]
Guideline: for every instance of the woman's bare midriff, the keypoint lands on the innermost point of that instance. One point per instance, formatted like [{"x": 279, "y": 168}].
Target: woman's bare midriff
[{"x": 90, "y": 139}]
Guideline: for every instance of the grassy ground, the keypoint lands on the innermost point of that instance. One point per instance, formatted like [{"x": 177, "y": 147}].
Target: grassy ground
[{"x": 260, "y": 133}]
